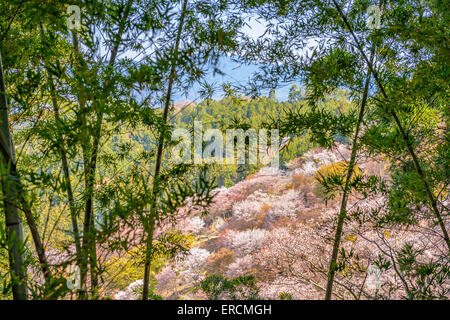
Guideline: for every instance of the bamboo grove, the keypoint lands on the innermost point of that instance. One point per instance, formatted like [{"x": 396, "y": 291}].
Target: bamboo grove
[{"x": 87, "y": 115}]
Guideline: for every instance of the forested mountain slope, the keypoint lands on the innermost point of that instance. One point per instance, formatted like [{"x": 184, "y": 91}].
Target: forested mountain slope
[{"x": 270, "y": 235}]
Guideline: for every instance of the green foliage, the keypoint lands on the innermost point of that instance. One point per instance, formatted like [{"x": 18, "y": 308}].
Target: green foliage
[
  {"x": 84, "y": 109},
  {"x": 285, "y": 296},
  {"x": 331, "y": 179},
  {"x": 239, "y": 288},
  {"x": 423, "y": 278},
  {"x": 332, "y": 120}
]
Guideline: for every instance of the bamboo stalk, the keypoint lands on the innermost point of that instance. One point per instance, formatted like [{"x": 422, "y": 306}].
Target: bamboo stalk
[{"x": 155, "y": 189}]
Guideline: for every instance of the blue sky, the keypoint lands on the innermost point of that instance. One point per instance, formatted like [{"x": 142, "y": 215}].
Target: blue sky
[{"x": 235, "y": 73}]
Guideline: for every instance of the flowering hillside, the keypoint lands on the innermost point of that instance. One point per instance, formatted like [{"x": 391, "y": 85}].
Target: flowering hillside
[{"x": 276, "y": 227}]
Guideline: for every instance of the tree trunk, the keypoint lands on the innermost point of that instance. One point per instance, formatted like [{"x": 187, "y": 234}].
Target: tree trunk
[
  {"x": 40, "y": 250},
  {"x": 10, "y": 193},
  {"x": 431, "y": 199},
  {"x": 345, "y": 195},
  {"x": 66, "y": 172},
  {"x": 64, "y": 162},
  {"x": 89, "y": 243},
  {"x": 90, "y": 155},
  {"x": 83, "y": 255},
  {"x": 155, "y": 189}
]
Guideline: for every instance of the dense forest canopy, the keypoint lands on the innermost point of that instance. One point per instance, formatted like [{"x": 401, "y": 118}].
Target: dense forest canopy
[{"x": 95, "y": 206}]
